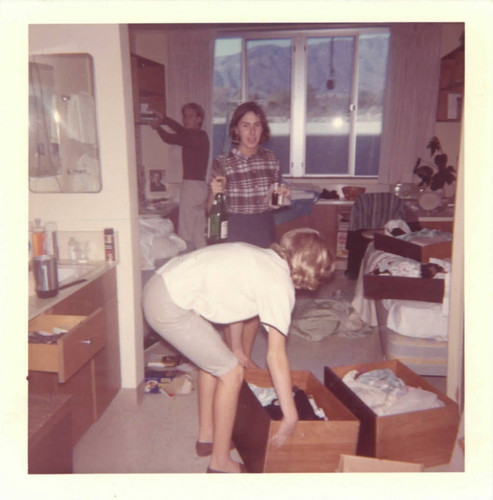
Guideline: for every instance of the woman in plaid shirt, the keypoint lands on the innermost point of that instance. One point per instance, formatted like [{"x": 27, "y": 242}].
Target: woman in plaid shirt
[{"x": 247, "y": 175}]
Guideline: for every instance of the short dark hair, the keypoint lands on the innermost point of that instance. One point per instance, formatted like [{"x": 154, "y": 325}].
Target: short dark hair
[
  {"x": 240, "y": 112},
  {"x": 199, "y": 110}
]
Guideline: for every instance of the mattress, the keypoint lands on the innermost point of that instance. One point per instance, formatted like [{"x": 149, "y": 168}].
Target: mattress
[{"x": 425, "y": 356}]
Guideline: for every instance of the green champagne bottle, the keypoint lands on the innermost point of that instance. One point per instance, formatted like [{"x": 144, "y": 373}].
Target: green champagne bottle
[{"x": 217, "y": 227}]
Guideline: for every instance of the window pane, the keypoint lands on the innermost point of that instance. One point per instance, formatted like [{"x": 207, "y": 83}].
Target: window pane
[
  {"x": 268, "y": 71},
  {"x": 226, "y": 91},
  {"x": 373, "y": 52},
  {"x": 329, "y": 77}
]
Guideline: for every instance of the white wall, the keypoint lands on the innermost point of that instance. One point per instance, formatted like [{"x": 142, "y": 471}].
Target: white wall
[{"x": 116, "y": 205}]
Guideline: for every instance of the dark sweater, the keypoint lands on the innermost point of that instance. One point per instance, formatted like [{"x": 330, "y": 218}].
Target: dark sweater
[{"x": 195, "y": 148}]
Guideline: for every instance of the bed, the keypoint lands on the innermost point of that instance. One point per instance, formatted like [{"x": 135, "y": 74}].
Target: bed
[{"x": 413, "y": 331}]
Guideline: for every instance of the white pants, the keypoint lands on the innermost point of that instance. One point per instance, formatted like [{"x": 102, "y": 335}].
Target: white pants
[
  {"x": 186, "y": 330},
  {"x": 192, "y": 214}
]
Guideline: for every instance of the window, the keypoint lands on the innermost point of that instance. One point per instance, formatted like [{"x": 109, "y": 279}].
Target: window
[{"x": 322, "y": 92}]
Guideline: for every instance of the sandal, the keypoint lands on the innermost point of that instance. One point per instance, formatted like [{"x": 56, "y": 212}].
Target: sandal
[{"x": 205, "y": 449}]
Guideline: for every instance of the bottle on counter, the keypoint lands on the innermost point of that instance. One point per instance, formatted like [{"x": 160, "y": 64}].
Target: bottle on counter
[
  {"x": 51, "y": 239},
  {"x": 217, "y": 226},
  {"x": 109, "y": 245},
  {"x": 73, "y": 249},
  {"x": 38, "y": 239}
]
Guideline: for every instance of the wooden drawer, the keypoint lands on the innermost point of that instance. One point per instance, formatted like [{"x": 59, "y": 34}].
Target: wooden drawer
[
  {"x": 315, "y": 446},
  {"x": 423, "y": 436},
  {"x": 84, "y": 338},
  {"x": 86, "y": 300}
]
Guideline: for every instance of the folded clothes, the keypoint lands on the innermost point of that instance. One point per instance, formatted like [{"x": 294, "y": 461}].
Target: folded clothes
[{"x": 386, "y": 394}]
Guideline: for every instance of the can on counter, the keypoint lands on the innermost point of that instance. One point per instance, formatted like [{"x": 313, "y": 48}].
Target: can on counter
[{"x": 109, "y": 245}]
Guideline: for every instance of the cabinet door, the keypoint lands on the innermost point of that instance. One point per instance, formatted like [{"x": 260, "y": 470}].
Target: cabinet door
[
  {"x": 107, "y": 376},
  {"x": 79, "y": 386},
  {"x": 148, "y": 82}
]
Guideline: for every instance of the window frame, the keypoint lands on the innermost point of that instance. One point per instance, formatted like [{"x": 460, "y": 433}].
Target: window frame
[{"x": 299, "y": 78}]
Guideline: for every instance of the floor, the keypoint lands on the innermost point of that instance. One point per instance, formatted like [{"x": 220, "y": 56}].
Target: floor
[{"x": 159, "y": 434}]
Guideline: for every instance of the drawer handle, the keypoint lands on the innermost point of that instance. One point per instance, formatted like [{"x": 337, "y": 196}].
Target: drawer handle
[{"x": 88, "y": 342}]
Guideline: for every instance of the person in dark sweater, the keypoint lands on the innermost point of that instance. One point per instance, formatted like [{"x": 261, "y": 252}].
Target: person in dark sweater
[{"x": 195, "y": 156}]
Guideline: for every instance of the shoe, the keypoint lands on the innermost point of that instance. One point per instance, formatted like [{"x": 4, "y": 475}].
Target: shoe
[
  {"x": 205, "y": 449},
  {"x": 243, "y": 469}
]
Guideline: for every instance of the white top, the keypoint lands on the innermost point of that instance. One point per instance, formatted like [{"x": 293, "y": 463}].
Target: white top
[{"x": 232, "y": 282}]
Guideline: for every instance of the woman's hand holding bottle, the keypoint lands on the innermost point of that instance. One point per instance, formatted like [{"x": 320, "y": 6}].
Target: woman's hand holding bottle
[{"x": 218, "y": 184}]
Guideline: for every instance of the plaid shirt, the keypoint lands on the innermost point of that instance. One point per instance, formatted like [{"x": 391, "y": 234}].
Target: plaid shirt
[{"x": 248, "y": 179}]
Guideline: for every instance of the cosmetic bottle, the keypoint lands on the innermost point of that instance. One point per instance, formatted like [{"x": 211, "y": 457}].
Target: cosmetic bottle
[
  {"x": 51, "y": 239},
  {"x": 38, "y": 239}
]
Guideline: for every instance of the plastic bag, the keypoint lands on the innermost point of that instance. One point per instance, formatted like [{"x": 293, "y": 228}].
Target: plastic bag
[{"x": 157, "y": 241}]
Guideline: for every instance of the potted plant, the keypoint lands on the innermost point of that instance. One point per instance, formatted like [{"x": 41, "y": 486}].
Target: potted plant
[{"x": 436, "y": 174}]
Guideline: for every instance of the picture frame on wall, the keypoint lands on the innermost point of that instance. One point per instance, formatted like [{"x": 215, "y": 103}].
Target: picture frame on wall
[{"x": 157, "y": 181}]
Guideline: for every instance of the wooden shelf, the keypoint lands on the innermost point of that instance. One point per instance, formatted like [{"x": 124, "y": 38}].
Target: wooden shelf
[
  {"x": 148, "y": 81},
  {"x": 451, "y": 91}
]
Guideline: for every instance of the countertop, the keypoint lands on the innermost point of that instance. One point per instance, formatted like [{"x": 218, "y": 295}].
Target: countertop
[
  {"x": 159, "y": 208},
  {"x": 38, "y": 306}
]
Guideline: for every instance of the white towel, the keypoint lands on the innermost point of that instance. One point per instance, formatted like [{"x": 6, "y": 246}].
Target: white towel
[{"x": 81, "y": 118}]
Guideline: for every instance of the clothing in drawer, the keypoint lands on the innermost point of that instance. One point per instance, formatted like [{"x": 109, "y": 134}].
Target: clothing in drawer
[{"x": 82, "y": 338}]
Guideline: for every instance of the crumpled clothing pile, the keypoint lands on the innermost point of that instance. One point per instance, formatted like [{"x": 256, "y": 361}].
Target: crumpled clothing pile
[
  {"x": 386, "y": 394},
  {"x": 316, "y": 319}
]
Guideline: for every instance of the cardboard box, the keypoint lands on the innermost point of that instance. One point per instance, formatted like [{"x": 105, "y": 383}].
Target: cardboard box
[
  {"x": 403, "y": 288},
  {"x": 315, "y": 446},
  {"x": 397, "y": 246},
  {"x": 352, "y": 463},
  {"x": 426, "y": 437}
]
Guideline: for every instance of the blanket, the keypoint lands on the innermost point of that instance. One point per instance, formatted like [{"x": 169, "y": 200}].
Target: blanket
[{"x": 316, "y": 319}]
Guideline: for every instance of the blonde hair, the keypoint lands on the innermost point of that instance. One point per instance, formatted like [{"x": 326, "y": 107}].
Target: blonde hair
[{"x": 307, "y": 255}]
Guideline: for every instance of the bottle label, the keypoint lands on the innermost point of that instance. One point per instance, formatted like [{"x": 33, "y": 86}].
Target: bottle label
[
  {"x": 109, "y": 247},
  {"x": 224, "y": 230}
]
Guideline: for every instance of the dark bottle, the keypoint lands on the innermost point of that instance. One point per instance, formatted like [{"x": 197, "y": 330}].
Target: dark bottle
[
  {"x": 217, "y": 227},
  {"x": 277, "y": 198}
]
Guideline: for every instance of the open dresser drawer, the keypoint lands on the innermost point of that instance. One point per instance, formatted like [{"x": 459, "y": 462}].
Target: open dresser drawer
[{"x": 84, "y": 337}]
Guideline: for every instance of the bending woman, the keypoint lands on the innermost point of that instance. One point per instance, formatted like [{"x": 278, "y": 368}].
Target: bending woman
[{"x": 192, "y": 291}]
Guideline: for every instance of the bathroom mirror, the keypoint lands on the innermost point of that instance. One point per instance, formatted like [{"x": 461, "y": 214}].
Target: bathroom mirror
[{"x": 63, "y": 136}]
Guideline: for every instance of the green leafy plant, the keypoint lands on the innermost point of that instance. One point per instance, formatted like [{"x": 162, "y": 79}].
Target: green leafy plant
[{"x": 435, "y": 175}]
